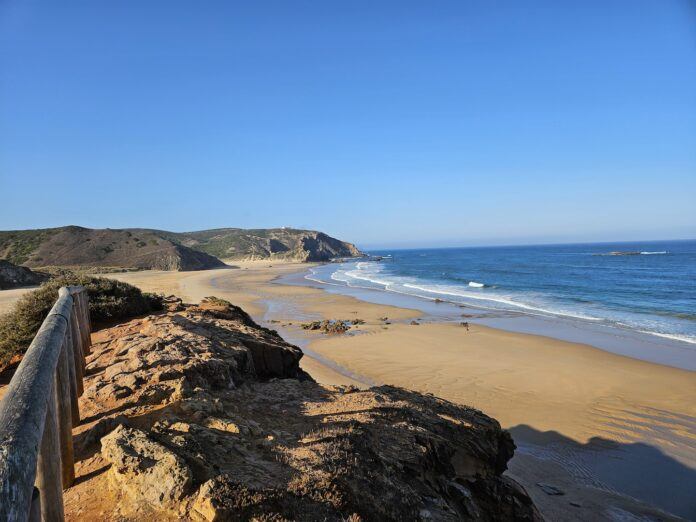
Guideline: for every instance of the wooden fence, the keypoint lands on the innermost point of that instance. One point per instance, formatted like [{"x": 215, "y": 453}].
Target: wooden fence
[{"x": 39, "y": 410}]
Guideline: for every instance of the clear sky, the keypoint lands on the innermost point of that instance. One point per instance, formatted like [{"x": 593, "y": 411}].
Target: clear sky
[{"x": 387, "y": 123}]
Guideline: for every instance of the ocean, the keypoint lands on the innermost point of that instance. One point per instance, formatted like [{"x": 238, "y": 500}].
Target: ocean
[{"x": 651, "y": 289}]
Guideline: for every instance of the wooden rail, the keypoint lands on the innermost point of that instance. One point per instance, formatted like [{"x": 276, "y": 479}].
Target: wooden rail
[{"x": 39, "y": 410}]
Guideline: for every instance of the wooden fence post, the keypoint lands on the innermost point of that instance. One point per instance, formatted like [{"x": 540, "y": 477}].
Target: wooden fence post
[
  {"x": 77, "y": 359},
  {"x": 38, "y": 411},
  {"x": 48, "y": 468},
  {"x": 65, "y": 422},
  {"x": 74, "y": 394}
]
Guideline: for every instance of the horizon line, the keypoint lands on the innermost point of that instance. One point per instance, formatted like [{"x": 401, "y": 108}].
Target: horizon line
[{"x": 552, "y": 243}]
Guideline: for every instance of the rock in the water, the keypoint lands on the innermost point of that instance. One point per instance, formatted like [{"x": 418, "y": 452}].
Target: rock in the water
[{"x": 334, "y": 326}]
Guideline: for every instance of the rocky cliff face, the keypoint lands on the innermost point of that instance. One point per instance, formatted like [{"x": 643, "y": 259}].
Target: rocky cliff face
[
  {"x": 274, "y": 243},
  {"x": 13, "y": 276},
  {"x": 200, "y": 414}
]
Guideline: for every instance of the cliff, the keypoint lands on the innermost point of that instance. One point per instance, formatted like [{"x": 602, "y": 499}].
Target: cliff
[
  {"x": 13, "y": 276},
  {"x": 275, "y": 243},
  {"x": 199, "y": 414},
  {"x": 162, "y": 250}
]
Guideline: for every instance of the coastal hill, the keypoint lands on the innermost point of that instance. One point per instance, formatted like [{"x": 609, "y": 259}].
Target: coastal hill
[
  {"x": 270, "y": 243},
  {"x": 198, "y": 413},
  {"x": 78, "y": 246},
  {"x": 162, "y": 250}
]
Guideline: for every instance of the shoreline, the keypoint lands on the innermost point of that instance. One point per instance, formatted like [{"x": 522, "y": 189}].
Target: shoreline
[
  {"x": 646, "y": 346},
  {"x": 585, "y": 420},
  {"x": 583, "y": 417}
]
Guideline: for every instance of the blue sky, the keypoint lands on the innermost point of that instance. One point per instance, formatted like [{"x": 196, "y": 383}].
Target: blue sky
[{"x": 385, "y": 123}]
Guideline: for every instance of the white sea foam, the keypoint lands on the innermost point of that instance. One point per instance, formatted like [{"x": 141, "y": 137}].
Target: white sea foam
[
  {"x": 676, "y": 337},
  {"x": 375, "y": 275},
  {"x": 372, "y": 272},
  {"x": 503, "y": 300},
  {"x": 368, "y": 276},
  {"x": 654, "y": 253}
]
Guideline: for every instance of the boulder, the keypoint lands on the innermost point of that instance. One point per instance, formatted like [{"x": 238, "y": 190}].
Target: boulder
[{"x": 144, "y": 470}]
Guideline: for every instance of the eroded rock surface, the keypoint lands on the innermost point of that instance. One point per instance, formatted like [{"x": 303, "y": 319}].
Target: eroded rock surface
[
  {"x": 200, "y": 414},
  {"x": 13, "y": 276},
  {"x": 143, "y": 469}
]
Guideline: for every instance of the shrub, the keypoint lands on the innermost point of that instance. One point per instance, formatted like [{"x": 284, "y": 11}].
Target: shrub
[{"x": 108, "y": 300}]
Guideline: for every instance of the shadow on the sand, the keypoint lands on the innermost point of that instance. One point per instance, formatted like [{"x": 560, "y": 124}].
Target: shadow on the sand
[{"x": 635, "y": 469}]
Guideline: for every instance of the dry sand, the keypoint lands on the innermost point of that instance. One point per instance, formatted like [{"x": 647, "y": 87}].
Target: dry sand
[
  {"x": 521, "y": 379},
  {"x": 587, "y": 421},
  {"x": 9, "y": 297}
]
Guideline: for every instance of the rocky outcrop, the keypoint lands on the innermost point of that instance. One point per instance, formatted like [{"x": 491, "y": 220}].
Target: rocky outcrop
[
  {"x": 274, "y": 243},
  {"x": 143, "y": 469},
  {"x": 13, "y": 276},
  {"x": 200, "y": 414}
]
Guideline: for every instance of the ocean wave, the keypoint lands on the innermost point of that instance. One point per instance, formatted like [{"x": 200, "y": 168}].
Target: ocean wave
[
  {"x": 316, "y": 280},
  {"x": 623, "y": 253},
  {"x": 676, "y": 337},
  {"x": 500, "y": 300},
  {"x": 464, "y": 291},
  {"x": 371, "y": 272},
  {"x": 363, "y": 276}
]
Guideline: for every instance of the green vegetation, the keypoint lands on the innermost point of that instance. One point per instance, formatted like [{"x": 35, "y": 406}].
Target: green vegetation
[
  {"x": 17, "y": 246},
  {"x": 108, "y": 300}
]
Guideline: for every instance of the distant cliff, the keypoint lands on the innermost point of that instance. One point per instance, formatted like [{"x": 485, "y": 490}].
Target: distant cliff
[
  {"x": 162, "y": 250},
  {"x": 272, "y": 243},
  {"x": 13, "y": 276}
]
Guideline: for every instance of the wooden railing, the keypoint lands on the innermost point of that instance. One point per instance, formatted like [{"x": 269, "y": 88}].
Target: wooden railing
[{"x": 39, "y": 410}]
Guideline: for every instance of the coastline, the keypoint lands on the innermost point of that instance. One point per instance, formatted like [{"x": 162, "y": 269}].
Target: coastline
[
  {"x": 585, "y": 420},
  {"x": 636, "y": 344}
]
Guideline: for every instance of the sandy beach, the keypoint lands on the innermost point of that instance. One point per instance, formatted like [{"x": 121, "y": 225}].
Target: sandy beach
[{"x": 599, "y": 427}]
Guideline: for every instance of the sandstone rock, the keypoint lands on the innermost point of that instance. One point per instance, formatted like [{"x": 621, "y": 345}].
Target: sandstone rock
[
  {"x": 144, "y": 470},
  {"x": 219, "y": 423},
  {"x": 225, "y": 425}
]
